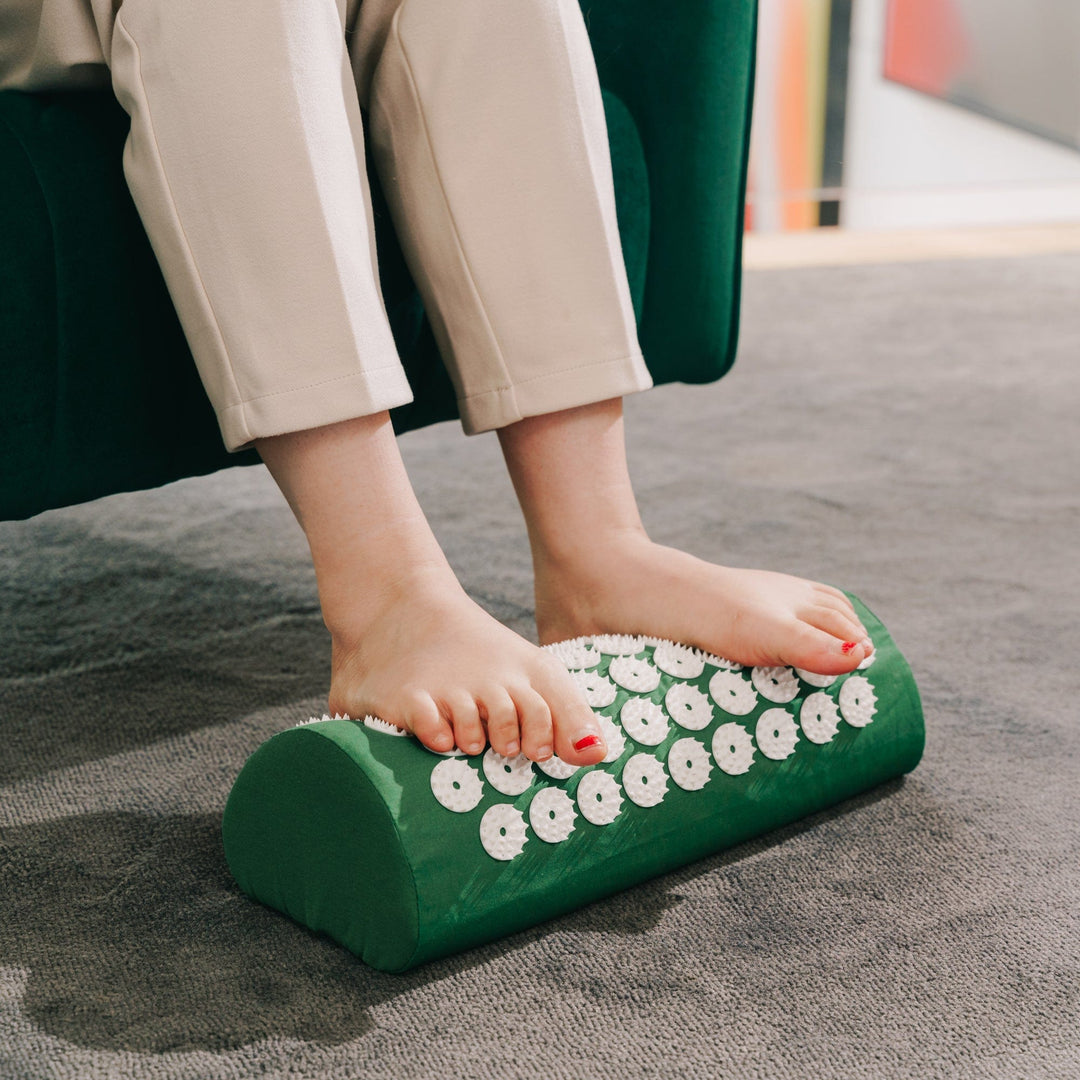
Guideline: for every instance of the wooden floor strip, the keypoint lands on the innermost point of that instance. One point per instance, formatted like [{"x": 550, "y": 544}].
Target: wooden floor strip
[{"x": 835, "y": 246}]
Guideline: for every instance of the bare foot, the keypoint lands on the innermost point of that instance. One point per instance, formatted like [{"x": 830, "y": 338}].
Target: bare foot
[
  {"x": 628, "y": 584},
  {"x": 597, "y": 571},
  {"x": 431, "y": 660},
  {"x": 409, "y": 644}
]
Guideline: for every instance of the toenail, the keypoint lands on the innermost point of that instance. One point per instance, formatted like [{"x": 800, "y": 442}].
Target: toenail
[
  {"x": 848, "y": 646},
  {"x": 589, "y": 740},
  {"x": 511, "y": 749},
  {"x": 476, "y": 747}
]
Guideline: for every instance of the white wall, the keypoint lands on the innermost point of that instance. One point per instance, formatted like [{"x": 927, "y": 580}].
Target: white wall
[{"x": 913, "y": 161}]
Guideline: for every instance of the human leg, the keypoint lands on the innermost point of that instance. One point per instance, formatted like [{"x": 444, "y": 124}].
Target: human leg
[
  {"x": 242, "y": 160},
  {"x": 487, "y": 127},
  {"x": 598, "y": 572}
]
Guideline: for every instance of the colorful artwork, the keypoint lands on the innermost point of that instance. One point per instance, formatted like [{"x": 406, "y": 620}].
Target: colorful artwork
[
  {"x": 796, "y": 153},
  {"x": 1019, "y": 63}
]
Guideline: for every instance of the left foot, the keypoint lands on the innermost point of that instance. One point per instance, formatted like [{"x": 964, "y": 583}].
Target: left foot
[
  {"x": 569, "y": 470},
  {"x": 627, "y": 584}
]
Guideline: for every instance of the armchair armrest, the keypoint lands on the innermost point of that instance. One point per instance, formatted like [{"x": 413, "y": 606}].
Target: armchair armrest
[{"x": 686, "y": 75}]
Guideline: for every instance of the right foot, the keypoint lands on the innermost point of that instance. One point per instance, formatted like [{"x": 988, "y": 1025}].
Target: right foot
[
  {"x": 409, "y": 644},
  {"x": 431, "y": 660}
]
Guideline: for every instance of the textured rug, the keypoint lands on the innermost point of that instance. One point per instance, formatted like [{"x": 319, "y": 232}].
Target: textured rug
[{"x": 907, "y": 431}]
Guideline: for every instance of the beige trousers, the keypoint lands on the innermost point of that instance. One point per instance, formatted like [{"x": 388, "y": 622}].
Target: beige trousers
[{"x": 246, "y": 163}]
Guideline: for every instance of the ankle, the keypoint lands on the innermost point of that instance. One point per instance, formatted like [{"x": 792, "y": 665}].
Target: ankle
[
  {"x": 355, "y": 595},
  {"x": 572, "y": 480},
  {"x": 576, "y": 556}
]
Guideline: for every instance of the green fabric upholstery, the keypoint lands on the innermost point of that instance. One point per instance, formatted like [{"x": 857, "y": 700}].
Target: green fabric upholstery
[
  {"x": 361, "y": 834},
  {"x": 100, "y": 393}
]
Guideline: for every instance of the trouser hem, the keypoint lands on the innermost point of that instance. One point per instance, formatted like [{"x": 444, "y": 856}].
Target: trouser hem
[
  {"x": 359, "y": 394},
  {"x": 552, "y": 391}
]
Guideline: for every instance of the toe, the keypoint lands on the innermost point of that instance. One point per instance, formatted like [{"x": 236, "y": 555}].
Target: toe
[
  {"x": 500, "y": 712},
  {"x": 827, "y": 596},
  {"x": 838, "y": 623},
  {"x": 537, "y": 738},
  {"x": 420, "y": 714},
  {"x": 818, "y": 650},
  {"x": 834, "y": 594},
  {"x": 465, "y": 716},
  {"x": 578, "y": 739},
  {"x": 824, "y": 594}
]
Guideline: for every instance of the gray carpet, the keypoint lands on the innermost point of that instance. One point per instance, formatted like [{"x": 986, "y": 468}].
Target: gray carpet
[{"x": 909, "y": 432}]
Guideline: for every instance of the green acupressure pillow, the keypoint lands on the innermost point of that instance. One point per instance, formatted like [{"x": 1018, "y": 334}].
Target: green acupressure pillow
[{"x": 403, "y": 855}]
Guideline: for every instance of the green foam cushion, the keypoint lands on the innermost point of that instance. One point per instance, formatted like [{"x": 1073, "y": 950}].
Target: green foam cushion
[{"x": 404, "y": 855}]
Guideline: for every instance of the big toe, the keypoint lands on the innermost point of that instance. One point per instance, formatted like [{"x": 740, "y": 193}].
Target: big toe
[
  {"x": 578, "y": 736},
  {"x": 817, "y": 650},
  {"x": 585, "y": 746}
]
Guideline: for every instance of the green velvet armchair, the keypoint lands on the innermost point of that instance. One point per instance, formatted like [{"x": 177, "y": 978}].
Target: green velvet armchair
[{"x": 89, "y": 337}]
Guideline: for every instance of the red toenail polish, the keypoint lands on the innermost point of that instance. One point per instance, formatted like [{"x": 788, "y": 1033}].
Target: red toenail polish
[
  {"x": 589, "y": 740},
  {"x": 848, "y": 646}
]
